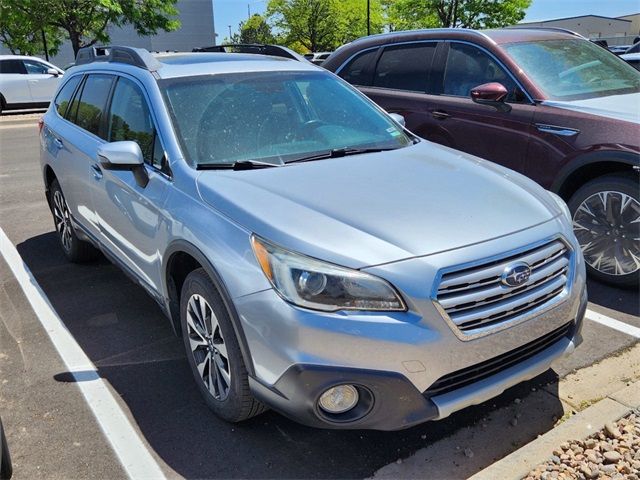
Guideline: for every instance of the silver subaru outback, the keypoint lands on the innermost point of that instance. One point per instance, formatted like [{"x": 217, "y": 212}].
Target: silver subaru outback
[{"x": 315, "y": 256}]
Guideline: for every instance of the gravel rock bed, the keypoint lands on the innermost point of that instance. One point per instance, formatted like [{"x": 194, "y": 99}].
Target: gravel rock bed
[{"x": 612, "y": 453}]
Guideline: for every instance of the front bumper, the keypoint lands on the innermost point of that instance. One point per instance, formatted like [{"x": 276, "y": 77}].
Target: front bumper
[
  {"x": 395, "y": 403},
  {"x": 398, "y": 357}
]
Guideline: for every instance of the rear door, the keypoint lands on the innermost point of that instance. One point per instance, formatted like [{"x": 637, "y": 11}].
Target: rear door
[
  {"x": 481, "y": 130},
  {"x": 131, "y": 217},
  {"x": 42, "y": 85},
  {"x": 13, "y": 82},
  {"x": 77, "y": 139},
  {"x": 397, "y": 78}
]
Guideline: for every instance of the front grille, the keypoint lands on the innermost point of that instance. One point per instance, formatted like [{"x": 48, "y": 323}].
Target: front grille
[
  {"x": 474, "y": 297},
  {"x": 472, "y": 374}
]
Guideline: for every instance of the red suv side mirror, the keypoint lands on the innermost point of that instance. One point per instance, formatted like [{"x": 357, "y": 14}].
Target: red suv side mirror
[{"x": 492, "y": 94}]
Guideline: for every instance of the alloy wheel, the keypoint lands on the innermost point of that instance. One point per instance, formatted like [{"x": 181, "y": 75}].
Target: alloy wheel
[
  {"x": 607, "y": 226},
  {"x": 208, "y": 347},
  {"x": 62, "y": 220}
]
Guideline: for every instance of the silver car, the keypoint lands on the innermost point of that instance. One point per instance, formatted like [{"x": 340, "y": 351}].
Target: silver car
[{"x": 315, "y": 256}]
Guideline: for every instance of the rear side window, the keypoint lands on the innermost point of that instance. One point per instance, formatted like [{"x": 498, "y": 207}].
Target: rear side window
[
  {"x": 35, "y": 68},
  {"x": 405, "y": 67},
  {"x": 468, "y": 67},
  {"x": 64, "y": 97},
  {"x": 93, "y": 99},
  {"x": 12, "y": 66},
  {"x": 130, "y": 118},
  {"x": 357, "y": 71}
]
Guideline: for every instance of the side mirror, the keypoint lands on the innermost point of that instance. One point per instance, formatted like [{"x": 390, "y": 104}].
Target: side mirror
[
  {"x": 124, "y": 155},
  {"x": 399, "y": 119},
  {"x": 492, "y": 94},
  {"x": 53, "y": 71}
]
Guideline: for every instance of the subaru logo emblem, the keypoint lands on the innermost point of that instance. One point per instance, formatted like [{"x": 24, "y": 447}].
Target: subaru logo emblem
[{"x": 516, "y": 274}]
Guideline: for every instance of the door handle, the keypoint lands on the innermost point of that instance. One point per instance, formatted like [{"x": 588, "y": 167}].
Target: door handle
[
  {"x": 58, "y": 143},
  {"x": 97, "y": 171},
  {"x": 440, "y": 115}
]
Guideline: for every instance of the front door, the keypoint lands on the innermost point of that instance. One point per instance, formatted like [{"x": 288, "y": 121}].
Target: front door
[
  {"x": 502, "y": 137},
  {"x": 131, "y": 216},
  {"x": 42, "y": 85}
]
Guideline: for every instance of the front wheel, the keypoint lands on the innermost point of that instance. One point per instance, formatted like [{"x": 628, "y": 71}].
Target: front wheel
[
  {"x": 213, "y": 351},
  {"x": 606, "y": 222}
]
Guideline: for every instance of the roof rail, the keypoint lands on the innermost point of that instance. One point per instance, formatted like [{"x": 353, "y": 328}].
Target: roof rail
[
  {"x": 257, "y": 48},
  {"x": 138, "y": 57},
  {"x": 551, "y": 29}
]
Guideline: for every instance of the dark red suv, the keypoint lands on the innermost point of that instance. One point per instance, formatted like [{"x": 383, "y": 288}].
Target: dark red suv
[{"x": 546, "y": 103}]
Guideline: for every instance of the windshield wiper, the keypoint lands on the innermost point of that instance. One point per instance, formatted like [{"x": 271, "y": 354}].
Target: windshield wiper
[
  {"x": 339, "y": 152},
  {"x": 239, "y": 165}
]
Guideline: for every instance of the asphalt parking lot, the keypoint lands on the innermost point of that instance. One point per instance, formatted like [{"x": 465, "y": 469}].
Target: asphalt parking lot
[{"x": 51, "y": 429}]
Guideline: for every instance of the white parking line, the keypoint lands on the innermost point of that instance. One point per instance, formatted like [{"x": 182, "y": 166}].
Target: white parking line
[
  {"x": 125, "y": 441},
  {"x": 612, "y": 323}
]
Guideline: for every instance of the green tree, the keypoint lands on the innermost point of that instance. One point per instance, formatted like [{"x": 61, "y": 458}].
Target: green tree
[
  {"x": 319, "y": 25},
  {"x": 85, "y": 22},
  {"x": 352, "y": 19},
  {"x": 26, "y": 34},
  {"x": 408, "y": 14},
  {"x": 256, "y": 30},
  {"x": 310, "y": 23}
]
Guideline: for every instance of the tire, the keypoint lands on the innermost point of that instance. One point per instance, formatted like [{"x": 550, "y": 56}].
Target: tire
[
  {"x": 225, "y": 389},
  {"x": 76, "y": 250},
  {"x": 6, "y": 470},
  {"x": 604, "y": 211}
]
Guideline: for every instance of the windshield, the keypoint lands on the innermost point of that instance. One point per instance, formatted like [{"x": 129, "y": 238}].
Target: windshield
[
  {"x": 574, "y": 69},
  {"x": 273, "y": 117}
]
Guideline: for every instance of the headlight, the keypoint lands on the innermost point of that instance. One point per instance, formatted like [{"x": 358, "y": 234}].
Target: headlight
[
  {"x": 563, "y": 206},
  {"x": 311, "y": 283}
]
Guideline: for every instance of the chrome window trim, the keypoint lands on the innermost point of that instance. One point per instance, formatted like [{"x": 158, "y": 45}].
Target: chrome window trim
[
  {"x": 495, "y": 59},
  {"x": 437, "y": 40},
  {"x": 552, "y": 303}
]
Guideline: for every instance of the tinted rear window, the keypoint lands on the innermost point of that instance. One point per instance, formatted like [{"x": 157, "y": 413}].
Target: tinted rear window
[
  {"x": 357, "y": 71},
  {"x": 405, "y": 67},
  {"x": 92, "y": 103},
  {"x": 12, "y": 66},
  {"x": 64, "y": 97}
]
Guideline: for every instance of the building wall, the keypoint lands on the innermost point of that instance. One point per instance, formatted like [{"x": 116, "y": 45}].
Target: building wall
[
  {"x": 197, "y": 30},
  {"x": 634, "y": 28},
  {"x": 589, "y": 26}
]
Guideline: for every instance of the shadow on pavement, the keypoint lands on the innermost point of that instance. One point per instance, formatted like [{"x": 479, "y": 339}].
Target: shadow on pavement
[
  {"x": 622, "y": 300},
  {"x": 132, "y": 344}
]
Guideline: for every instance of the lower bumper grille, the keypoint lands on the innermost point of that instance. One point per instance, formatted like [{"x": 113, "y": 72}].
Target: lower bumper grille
[{"x": 472, "y": 374}]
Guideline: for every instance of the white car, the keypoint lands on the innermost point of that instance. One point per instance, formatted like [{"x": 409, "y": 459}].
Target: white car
[
  {"x": 632, "y": 59},
  {"x": 27, "y": 82}
]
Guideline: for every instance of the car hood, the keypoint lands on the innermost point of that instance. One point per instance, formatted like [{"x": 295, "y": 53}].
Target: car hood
[
  {"x": 619, "y": 107},
  {"x": 375, "y": 208}
]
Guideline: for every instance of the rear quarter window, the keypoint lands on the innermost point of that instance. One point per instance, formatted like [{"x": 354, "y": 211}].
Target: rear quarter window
[
  {"x": 63, "y": 98},
  {"x": 358, "y": 70}
]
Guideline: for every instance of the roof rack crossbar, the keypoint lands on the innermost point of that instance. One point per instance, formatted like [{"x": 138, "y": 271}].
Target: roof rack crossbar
[
  {"x": 138, "y": 57},
  {"x": 257, "y": 48}
]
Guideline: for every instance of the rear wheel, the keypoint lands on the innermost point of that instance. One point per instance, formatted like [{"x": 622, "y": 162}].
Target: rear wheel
[
  {"x": 75, "y": 250},
  {"x": 606, "y": 222},
  {"x": 213, "y": 351}
]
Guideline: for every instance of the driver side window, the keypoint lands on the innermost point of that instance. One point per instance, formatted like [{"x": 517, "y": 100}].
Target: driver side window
[
  {"x": 130, "y": 119},
  {"x": 468, "y": 67},
  {"x": 35, "y": 68}
]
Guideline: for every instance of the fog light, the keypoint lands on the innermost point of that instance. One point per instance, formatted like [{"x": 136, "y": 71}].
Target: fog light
[{"x": 339, "y": 399}]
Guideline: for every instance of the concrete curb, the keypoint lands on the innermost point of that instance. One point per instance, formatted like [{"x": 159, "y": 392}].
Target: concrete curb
[{"x": 585, "y": 423}]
